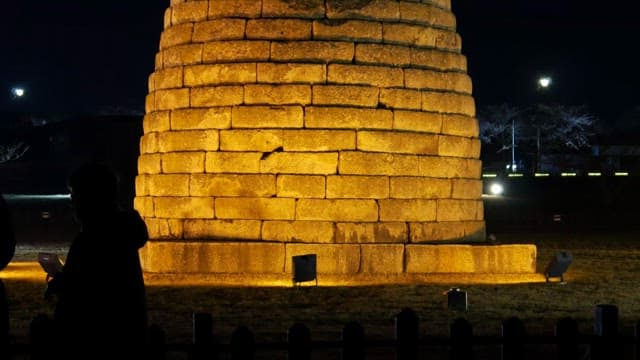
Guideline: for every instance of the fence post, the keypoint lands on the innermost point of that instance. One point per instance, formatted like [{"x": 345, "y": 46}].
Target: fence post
[
  {"x": 605, "y": 327},
  {"x": 353, "y": 341},
  {"x": 513, "y": 333},
  {"x": 567, "y": 345},
  {"x": 157, "y": 343},
  {"x": 461, "y": 335},
  {"x": 203, "y": 341},
  {"x": 299, "y": 339},
  {"x": 407, "y": 334},
  {"x": 243, "y": 345}
]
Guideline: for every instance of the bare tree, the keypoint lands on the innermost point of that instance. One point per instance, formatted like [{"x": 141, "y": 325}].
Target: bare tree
[
  {"x": 497, "y": 124},
  {"x": 12, "y": 151}
]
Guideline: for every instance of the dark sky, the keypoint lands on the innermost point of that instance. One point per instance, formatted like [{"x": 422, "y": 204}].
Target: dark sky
[{"x": 79, "y": 55}]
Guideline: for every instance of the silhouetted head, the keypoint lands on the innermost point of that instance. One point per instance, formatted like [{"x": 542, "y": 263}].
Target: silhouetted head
[{"x": 94, "y": 189}]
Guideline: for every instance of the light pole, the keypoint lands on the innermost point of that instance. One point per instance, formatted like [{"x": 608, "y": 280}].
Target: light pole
[{"x": 543, "y": 83}]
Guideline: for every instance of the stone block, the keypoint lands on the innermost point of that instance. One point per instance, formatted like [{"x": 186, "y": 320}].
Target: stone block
[
  {"x": 420, "y": 36},
  {"x": 438, "y": 80},
  {"x": 347, "y": 118},
  {"x": 219, "y": 74},
  {"x": 251, "y": 208},
  {"x": 264, "y": 140},
  {"x": 182, "y": 55},
  {"x": 480, "y": 210},
  {"x": 349, "y": 30},
  {"x": 235, "y": 51},
  {"x": 307, "y": 9},
  {"x": 460, "y": 125},
  {"x": 407, "y": 209},
  {"x": 219, "y": 29},
  {"x": 459, "y": 146},
  {"x": 291, "y": 73},
  {"x": 331, "y": 259},
  {"x": 300, "y": 186},
  {"x": 168, "y": 185},
  {"x": 212, "y": 257},
  {"x": 299, "y": 231},
  {"x": 380, "y": 76},
  {"x": 379, "y": 232},
  {"x": 357, "y": 187},
  {"x": 196, "y": 119},
  {"x": 374, "y": 10},
  {"x": 420, "y": 232},
  {"x": 166, "y": 18},
  {"x": 156, "y": 121},
  {"x": 439, "y": 259},
  {"x": 383, "y": 54},
  {"x": 149, "y": 143},
  {"x": 267, "y": 117},
  {"x": 337, "y": 210},
  {"x": 277, "y": 94},
  {"x": 312, "y": 51},
  {"x": 214, "y": 96},
  {"x": 183, "y": 162},
  {"x": 475, "y": 230},
  {"x": 448, "y": 103},
  {"x": 398, "y": 142},
  {"x": 319, "y": 140},
  {"x": 232, "y": 162},
  {"x": 167, "y": 78},
  {"x": 381, "y": 259},
  {"x": 228, "y": 185},
  {"x": 191, "y": 11},
  {"x": 171, "y": 99},
  {"x": 278, "y": 29},
  {"x": 438, "y": 59},
  {"x": 149, "y": 163},
  {"x": 456, "y": 210},
  {"x": 176, "y": 35},
  {"x": 164, "y": 228},
  {"x": 410, "y": 187},
  {"x": 222, "y": 229},
  {"x": 417, "y": 121},
  {"x": 300, "y": 163},
  {"x": 234, "y": 9},
  {"x": 141, "y": 185},
  {"x": 144, "y": 206},
  {"x": 466, "y": 189},
  {"x": 188, "y": 140},
  {"x": 520, "y": 258},
  {"x": 175, "y": 207},
  {"x": 407, "y": 99},
  {"x": 426, "y": 14},
  {"x": 345, "y": 95}
]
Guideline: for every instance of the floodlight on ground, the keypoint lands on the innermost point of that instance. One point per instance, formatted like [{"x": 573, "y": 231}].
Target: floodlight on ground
[
  {"x": 457, "y": 299},
  {"x": 558, "y": 265},
  {"x": 304, "y": 268}
]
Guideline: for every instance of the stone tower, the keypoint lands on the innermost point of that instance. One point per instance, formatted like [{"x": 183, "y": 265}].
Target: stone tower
[{"x": 343, "y": 128}]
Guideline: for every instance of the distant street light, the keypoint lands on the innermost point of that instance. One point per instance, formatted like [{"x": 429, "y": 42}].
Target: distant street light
[
  {"x": 18, "y": 92},
  {"x": 544, "y": 82}
]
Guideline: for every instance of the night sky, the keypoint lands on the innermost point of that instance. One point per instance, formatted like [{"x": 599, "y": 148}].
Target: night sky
[{"x": 79, "y": 55}]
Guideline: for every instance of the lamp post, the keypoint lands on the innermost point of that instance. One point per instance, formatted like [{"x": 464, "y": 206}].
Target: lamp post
[{"x": 543, "y": 83}]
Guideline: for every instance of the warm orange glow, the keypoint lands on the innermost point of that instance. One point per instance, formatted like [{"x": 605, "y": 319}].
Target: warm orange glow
[{"x": 25, "y": 271}]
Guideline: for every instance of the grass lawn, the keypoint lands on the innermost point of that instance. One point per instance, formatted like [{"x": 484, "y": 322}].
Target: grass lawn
[{"x": 605, "y": 270}]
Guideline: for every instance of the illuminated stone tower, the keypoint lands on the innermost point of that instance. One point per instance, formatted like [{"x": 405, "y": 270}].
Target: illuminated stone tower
[{"x": 343, "y": 128}]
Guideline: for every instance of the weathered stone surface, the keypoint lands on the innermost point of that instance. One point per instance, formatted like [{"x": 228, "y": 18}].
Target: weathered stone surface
[
  {"x": 331, "y": 258},
  {"x": 301, "y": 186},
  {"x": 345, "y": 129},
  {"x": 299, "y": 231},
  {"x": 381, "y": 259},
  {"x": 357, "y": 187},
  {"x": 378, "y": 232}
]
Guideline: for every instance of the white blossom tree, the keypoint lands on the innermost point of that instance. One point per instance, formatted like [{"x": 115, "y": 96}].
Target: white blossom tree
[{"x": 13, "y": 151}]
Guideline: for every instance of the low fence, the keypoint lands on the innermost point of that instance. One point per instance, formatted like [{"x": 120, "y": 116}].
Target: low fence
[{"x": 514, "y": 343}]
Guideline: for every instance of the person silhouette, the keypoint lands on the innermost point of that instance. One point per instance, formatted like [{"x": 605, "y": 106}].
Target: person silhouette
[
  {"x": 100, "y": 292},
  {"x": 7, "y": 251}
]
